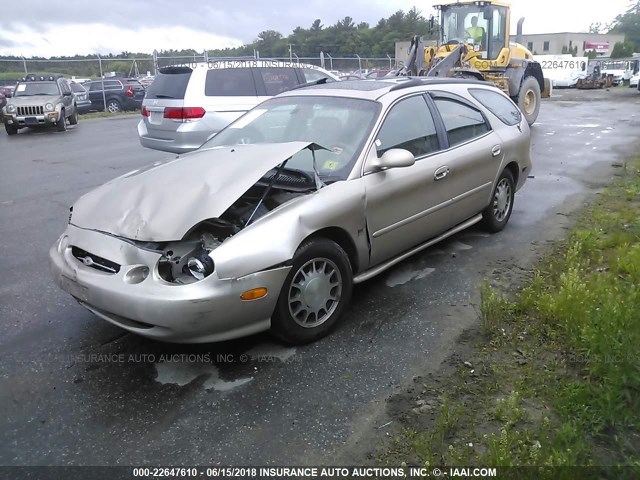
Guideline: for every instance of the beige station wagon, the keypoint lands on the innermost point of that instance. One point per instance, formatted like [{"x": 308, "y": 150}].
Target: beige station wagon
[{"x": 273, "y": 220}]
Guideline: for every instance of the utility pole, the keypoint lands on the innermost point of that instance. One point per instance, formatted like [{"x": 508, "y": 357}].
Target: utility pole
[{"x": 290, "y": 52}]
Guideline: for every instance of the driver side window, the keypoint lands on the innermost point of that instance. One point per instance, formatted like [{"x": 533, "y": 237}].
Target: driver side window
[{"x": 409, "y": 125}]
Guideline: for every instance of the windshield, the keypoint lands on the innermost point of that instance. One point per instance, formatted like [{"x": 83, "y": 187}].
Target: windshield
[
  {"x": 36, "y": 88},
  {"x": 341, "y": 125},
  {"x": 484, "y": 27}
]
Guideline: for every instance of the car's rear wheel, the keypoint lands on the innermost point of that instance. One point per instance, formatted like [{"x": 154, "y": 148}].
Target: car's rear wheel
[
  {"x": 73, "y": 119},
  {"x": 314, "y": 293},
  {"x": 11, "y": 129},
  {"x": 114, "y": 106},
  {"x": 61, "y": 124},
  {"x": 497, "y": 214}
]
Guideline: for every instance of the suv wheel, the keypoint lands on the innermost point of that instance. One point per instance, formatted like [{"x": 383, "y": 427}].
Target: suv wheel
[
  {"x": 11, "y": 129},
  {"x": 114, "y": 106},
  {"x": 73, "y": 119},
  {"x": 61, "y": 124}
]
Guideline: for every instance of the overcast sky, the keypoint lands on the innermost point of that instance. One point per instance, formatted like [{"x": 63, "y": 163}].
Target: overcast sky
[{"x": 49, "y": 27}]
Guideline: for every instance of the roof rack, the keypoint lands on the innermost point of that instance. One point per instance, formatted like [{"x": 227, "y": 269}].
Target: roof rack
[
  {"x": 420, "y": 81},
  {"x": 320, "y": 81},
  {"x": 35, "y": 77}
]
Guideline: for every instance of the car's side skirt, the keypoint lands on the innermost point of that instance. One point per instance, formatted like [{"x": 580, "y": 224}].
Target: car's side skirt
[{"x": 368, "y": 274}]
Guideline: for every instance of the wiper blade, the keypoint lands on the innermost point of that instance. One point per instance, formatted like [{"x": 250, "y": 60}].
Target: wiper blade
[{"x": 159, "y": 95}]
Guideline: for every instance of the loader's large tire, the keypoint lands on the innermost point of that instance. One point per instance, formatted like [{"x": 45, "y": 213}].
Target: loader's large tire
[{"x": 529, "y": 99}]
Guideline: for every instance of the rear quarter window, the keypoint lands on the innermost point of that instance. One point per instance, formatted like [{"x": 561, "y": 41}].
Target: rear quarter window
[
  {"x": 229, "y": 82},
  {"x": 278, "y": 80},
  {"x": 498, "y": 104},
  {"x": 170, "y": 83}
]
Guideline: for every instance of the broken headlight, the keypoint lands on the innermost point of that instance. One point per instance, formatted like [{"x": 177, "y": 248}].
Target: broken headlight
[
  {"x": 188, "y": 261},
  {"x": 199, "y": 266}
]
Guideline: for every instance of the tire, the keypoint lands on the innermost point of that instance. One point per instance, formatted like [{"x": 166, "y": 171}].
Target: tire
[
  {"x": 11, "y": 129},
  {"x": 73, "y": 119},
  {"x": 497, "y": 214},
  {"x": 113, "y": 106},
  {"x": 529, "y": 99},
  {"x": 61, "y": 124},
  {"x": 314, "y": 294}
]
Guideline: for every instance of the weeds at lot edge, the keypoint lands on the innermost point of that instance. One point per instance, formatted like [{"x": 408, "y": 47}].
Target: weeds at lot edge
[
  {"x": 553, "y": 377},
  {"x": 89, "y": 116}
]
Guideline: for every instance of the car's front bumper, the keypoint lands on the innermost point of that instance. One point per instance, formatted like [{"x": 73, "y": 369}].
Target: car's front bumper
[
  {"x": 206, "y": 311},
  {"x": 48, "y": 118}
]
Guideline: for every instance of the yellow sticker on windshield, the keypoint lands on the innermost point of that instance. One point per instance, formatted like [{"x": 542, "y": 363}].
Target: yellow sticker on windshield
[{"x": 330, "y": 165}]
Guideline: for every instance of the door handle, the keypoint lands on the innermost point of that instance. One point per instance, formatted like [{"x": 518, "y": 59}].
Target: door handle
[
  {"x": 441, "y": 172},
  {"x": 495, "y": 151}
]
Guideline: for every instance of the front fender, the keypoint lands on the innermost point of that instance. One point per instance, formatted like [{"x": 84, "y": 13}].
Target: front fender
[{"x": 274, "y": 238}]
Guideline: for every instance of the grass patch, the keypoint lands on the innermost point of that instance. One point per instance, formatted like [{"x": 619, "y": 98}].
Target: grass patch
[
  {"x": 91, "y": 115},
  {"x": 553, "y": 377}
]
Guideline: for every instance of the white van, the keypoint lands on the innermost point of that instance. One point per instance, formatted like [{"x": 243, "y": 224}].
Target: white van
[{"x": 186, "y": 104}]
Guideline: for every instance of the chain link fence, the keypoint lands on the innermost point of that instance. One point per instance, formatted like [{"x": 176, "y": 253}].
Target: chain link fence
[{"x": 11, "y": 70}]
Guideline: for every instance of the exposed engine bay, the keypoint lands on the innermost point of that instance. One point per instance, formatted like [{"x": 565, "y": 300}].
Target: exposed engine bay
[{"x": 187, "y": 261}]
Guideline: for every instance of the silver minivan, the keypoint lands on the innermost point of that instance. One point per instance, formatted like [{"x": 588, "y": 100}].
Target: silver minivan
[{"x": 186, "y": 104}]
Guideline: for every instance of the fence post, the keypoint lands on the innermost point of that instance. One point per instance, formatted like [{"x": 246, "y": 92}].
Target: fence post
[
  {"x": 389, "y": 57},
  {"x": 155, "y": 62},
  {"x": 330, "y": 61},
  {"x": 24, "y": 61},
  {"x": 104, "y": 98},
  {"x": 359, "y": 64}
]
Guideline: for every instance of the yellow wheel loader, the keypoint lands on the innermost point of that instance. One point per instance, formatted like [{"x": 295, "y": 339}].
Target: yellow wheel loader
[{"x": 474, "y": 42}]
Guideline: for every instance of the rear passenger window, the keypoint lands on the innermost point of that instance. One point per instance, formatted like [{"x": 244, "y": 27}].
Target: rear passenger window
[
  {"x": 462, "y": 122},
  {"x": 409, "y": 125},
  {"x": 112, "y": 85},
  {"x": 230, "y": 82},
  {"x": 277, "y": 80},
  {"x": 498, "y": 104}
]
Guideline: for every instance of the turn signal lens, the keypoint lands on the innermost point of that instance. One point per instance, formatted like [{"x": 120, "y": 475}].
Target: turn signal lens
[{"x": 254, "y": 294}]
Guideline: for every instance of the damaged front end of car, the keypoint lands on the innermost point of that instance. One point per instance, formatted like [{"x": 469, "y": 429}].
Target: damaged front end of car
[{"x": 123, "y": 265}]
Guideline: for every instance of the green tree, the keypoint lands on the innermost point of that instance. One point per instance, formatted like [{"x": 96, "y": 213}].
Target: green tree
[
  {"x": 622, "y": 49},
  {"x": 628, "y": 23}
]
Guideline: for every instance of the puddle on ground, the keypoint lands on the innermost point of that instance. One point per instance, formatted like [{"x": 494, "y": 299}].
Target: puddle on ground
[
  {"x": 183, "y": 373},
  {"x": 400, "y": 277}
]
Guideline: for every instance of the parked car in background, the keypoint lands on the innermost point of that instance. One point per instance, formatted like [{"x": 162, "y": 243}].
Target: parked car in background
[
  {"x": 119, "y": 93},
  {"x": 7, "y": 91},
  {"x": 40, "y": 101},
  {"x": 274, "y": 219},
  {"x": 82, "y": 97},
  {"x": 184, "y": 106},
  {"x": 350, "y": 77},
  {"x": 633, "y": 81},
  {"x": 146, "y": 81},
  {"x": 3, "y": 101}
]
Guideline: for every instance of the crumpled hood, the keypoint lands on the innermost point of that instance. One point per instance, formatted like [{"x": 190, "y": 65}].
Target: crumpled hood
[
  {"x": 164, "y": 201},
  {"x": 34, "y": 100}
]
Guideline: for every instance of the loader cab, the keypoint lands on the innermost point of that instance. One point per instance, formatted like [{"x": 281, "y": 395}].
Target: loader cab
[{"x": 481, "y": 25}]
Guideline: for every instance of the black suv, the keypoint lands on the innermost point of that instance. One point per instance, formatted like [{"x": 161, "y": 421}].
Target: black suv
[{"x": 119, "y": 94}]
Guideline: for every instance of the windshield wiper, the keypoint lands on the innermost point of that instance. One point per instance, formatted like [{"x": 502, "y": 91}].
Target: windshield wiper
[{"x": 159, "y": 95}]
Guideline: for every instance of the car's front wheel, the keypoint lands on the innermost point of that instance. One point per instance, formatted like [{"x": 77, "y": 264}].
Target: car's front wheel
[
  {"x": 497, "y": 214},
  {"x": 11, "y": 129},
  {"x": 61, "y": 124},
  {"x": 314, "y": 293}
]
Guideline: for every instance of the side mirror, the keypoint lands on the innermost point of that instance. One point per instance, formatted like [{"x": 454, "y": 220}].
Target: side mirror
[
  {"x": 66, "y": 94},
  {"x": 393, "y": 158}
]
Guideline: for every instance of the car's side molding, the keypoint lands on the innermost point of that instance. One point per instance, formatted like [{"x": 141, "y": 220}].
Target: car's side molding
[{"x": 372, "y": 272}]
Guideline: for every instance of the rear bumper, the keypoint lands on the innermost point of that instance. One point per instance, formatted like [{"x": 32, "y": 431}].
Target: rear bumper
[{"x": 186, "y": 138}]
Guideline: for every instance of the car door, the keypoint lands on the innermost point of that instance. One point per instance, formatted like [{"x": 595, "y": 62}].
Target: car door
[
  {"x": 67, "y": 97},
  {"x": 472, "y": 156},
  {"x": 406, "y": 206}
]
